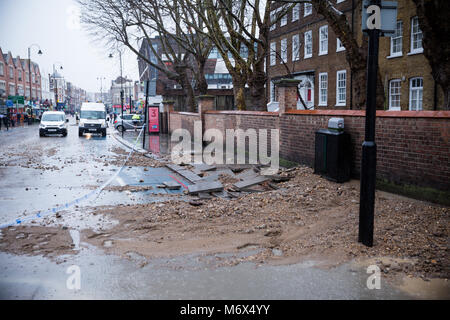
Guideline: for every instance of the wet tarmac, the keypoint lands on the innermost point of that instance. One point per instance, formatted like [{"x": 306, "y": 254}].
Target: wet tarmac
[{"x": 25, "y": 190}]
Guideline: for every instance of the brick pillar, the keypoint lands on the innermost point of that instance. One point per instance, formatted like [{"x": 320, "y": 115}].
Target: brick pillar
[
  {"x": 168, "y": 107},
  {"x": 286, "y": 91},
  {"x": 205, "y": 103}
]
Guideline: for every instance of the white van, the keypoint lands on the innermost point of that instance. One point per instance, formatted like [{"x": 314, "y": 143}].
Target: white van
[
  {"x": 53, "y": 122},
  {"x": 92, "y": 118}
]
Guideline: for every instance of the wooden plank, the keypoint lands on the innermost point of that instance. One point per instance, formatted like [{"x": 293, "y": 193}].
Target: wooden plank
[
  {"x": 189, "y": 175},
  {"x": 250, "y": 182},
  {"x": 205, "y": 187}
]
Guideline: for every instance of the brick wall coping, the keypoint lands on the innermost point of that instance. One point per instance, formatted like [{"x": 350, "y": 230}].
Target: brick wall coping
[
  {"x": 245, "y": 113},
  {"x": 194, "y": 114},
  {"x": 354, "y": 113},
  {"x": 380, "y": 113}
]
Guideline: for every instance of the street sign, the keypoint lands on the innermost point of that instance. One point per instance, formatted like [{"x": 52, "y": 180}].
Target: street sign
[
  {"x": 17, "y": 99},
  {"x": 153, "y": 119},
  {"x": 382, "y": 17}
]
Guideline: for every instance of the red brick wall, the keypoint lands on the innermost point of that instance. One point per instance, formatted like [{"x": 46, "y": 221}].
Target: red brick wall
[{"x": 412, "y": 147}]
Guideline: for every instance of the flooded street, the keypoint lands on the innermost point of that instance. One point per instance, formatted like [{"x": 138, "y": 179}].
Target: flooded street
[{"x": 114, "y": 257}]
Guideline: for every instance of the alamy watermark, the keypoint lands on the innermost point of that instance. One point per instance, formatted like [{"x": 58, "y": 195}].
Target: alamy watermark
[
  {"x": 73, "y": 282},
  {"x": 188, "y": 150},
  {"x": 374, "y": 280}
]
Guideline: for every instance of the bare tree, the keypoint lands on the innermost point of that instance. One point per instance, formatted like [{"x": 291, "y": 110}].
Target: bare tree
[
  {"x": 181, "y": 54},
  {"x": 238, "y": 26}
]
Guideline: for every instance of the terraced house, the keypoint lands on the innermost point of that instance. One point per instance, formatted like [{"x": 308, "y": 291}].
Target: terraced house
[{"x": 303, "y": 46}]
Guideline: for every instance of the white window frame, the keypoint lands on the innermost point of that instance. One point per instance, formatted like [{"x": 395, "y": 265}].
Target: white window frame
[
  {"x": 339, "y": 46},
  {"x": 323, "y": 85},
  {"x": 296, "y": 12},
  {"x": 340, "y": 102},
  {"x": 273, "y": 53},
  {"x": 395, "y": 92},
  {"x": 3, "y": 85},
  {"x": 398, "y": 36},
  {"x": 284, "y": 50},
  {"x": 12, "y": 85},
  {"x": 306, "y": 35},
  {"x": 416, "y": 90},
  {"x": 9, "y": 70},
  {"x": 273, "y": 16},
  {"x": 283, "y": 20},
  {"x": 419, "y": 32},
  {"x": 295, "y": 47},
  {"x": 2, "y": 69},
  {"x": 323, "y": 40},
  {"x": 307, "y": 9}
]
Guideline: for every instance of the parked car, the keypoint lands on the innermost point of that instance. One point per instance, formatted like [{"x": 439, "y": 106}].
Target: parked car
[
  {"x": 53, "y": 122},
  {"x": 92, "y": 118},
  {"x": 128, "y": 123}
]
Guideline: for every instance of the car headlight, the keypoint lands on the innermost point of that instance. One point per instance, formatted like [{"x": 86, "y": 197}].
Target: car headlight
[
  {"x": 104, "y": 125},
  {"x": 81, "y": 124},
  {"x": 41, "y": 126},
  {"x": 61, "y": 126}
]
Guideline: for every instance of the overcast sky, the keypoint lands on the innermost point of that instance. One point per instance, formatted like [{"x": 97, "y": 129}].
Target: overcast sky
[{"x": 53, "y": 25}]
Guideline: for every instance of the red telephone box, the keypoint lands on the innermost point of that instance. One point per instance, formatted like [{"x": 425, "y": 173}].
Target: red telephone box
[{"x": 153, "y": 119}]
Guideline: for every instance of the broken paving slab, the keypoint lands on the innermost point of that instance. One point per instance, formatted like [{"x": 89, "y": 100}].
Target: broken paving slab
[
  {"x": 172, "y": 185},
  {"x": 250, "y": 182},
  {"x": 202, "y": 167},
  {"x": 199, "y": 187},
  {"x": 250, "y": 173},
  {"x": 185, "y": 173}
]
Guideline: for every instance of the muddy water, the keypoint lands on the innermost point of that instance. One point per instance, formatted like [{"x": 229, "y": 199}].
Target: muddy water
[{"x": 185, "y": 277}]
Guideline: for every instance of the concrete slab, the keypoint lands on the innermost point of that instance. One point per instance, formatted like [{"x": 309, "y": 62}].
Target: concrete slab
[
  {"x": 250, "y": 182},
  {"x": 205, "y": 187}
]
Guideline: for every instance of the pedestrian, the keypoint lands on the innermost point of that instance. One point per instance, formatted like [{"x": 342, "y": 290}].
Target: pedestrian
[
  {"x": 1, "y": 120},
  {"x": 6, "y": 122},
  {"x": 25, "y": 118}
]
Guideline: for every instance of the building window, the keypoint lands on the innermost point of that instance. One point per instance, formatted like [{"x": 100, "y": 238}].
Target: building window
[
  {"x": 32, "y": 78},
  {"x": 19, "y": 75},
  {"x": 339, "y": 45},
  {"x": 283, "y": 50},
  {"x": 273, "y": 52},
  {"x": 296, "y": 12},
  {"x": 323, "y": 40},
  {"x": 273, "y": 16},
  {"x": 307, "y": 9},
  {"x": 323, "y": 89},
  {"x": 415, "y": 94},
  {"x": 341, "y": 87},
  {"x": 308, "y": 44},
  {"x": 27, "y": 76},
  {"x": 11, "y": 72},
  {"x": 295, "y": 47},
  {"x": 396, "y": 40},
  {"x": 2, "y": 69},
  {"x": 12, "y": 89},
  {"x": 20, "y": 90},
  {"x": 283, "y": 20},
  {"x": 394, "y": 94},
  {"x": 416, "y": 36}
]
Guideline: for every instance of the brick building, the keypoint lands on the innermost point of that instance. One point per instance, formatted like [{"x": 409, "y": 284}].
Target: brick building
[
  {"x": 314, "y": 55},
  {"x": 15, "y": 78},
  {"x": 217, "y": 76}
]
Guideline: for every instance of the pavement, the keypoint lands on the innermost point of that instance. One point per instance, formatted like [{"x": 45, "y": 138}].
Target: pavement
[{"x": 40, "y": 173}]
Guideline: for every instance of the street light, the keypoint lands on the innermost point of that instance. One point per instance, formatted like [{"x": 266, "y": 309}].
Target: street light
[
  {"x": 29, "y": 75},
  {"x": 101, "y": 87},
  {"x": 56, "y": 82},
  {"x": 121, "y": 85}
]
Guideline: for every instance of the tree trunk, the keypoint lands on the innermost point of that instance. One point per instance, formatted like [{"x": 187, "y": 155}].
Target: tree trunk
[
  {"x": 202, "y": 84},
  {"x": 256, "y": 83},
  {"x": 239, "y": 93},
  {"x": 187, "y": 90}
]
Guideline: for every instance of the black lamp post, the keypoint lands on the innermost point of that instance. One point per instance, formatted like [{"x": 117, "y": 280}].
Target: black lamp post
[
  {"x": 29, "y": 76},
  {"x": 121, "y": 86}
]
